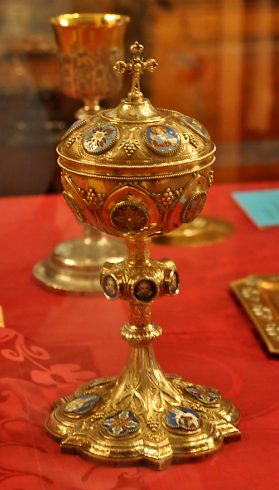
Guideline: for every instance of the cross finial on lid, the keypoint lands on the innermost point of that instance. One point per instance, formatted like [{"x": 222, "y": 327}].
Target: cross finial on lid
[{"x": 135, "y": 67}]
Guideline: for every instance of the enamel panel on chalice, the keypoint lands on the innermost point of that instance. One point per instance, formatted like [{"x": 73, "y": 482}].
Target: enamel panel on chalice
[{"x": 134, "y": 172}]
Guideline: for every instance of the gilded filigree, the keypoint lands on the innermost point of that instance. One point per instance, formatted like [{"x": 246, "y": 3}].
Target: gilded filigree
[
  {"x": 72, "y": 139},
  {"x": 193, "y": 140},
  {"x": 167, "y": 197},
  {"x": 95, "y": 198},
  {"x": 97, "y": 415},
  {"x": 196, "y": 406},
  {"x": 208, "y": 176},
  {"x": 153, "y": 424},
  {"x": 129, "y": 146},
  {"x": 92, "y": 198},
  {"x": 186, "y": 137}
]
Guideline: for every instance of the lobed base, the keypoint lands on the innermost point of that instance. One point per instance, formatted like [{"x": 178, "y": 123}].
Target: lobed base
[{"x": 142, "y": 417}]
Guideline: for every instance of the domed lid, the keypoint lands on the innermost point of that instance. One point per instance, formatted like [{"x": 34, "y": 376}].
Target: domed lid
[{"x": 135, "y": 136}]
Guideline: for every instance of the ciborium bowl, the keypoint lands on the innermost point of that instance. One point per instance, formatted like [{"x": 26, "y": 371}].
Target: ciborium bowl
[{"x": 134, "y": 172}]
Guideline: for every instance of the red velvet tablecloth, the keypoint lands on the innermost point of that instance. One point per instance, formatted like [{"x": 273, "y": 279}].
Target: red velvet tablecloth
[{"x": 54, "y": 342}]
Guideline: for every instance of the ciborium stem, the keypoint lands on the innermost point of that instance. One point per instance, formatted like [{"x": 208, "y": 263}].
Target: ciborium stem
[
  {"x": 142, "y": 386},
  {"x": 138, "y": 250}
]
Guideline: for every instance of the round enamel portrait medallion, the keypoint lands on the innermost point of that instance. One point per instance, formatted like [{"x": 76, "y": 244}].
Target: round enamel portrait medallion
[
  {"x": 110, "y": 287},
  {"x": 99, "y": 139},
  {"x": 193, "y": 207},
  {"x": 162, "y": 139},
  {"x": 145, "y": 290}
]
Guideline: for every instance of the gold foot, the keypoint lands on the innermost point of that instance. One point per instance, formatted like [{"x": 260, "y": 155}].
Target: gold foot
[{"x": 143, "y": 416}]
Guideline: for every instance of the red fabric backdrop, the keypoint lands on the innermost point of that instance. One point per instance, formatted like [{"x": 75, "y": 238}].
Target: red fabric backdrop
[{"x": 54, "y": 342}]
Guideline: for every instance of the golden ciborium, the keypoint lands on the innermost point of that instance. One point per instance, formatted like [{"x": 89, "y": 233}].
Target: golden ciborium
[
  {"x": 150, "y": 179},
  {"x": 88, "y": 46}
]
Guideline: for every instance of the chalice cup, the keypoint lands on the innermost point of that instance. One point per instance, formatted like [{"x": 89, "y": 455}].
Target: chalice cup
[
  {"x": 88, "y": 46},
  {"x": 150, "y": 179}
]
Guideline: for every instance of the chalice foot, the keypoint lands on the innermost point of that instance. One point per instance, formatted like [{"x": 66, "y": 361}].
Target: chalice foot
[
  {"x": 204, "y": 230},
  {"x": 142, "y": 416},
  {"x": 74, "y": 265}
]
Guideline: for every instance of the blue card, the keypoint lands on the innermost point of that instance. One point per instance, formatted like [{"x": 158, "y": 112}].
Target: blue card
[{"x": 262, "y": 207}]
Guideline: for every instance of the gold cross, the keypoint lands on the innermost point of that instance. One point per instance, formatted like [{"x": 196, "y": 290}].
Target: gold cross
[{"x": 135, "y": 67}]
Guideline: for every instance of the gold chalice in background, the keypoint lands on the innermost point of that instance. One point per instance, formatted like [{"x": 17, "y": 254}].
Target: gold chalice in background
[
  {"x": 151, "y": 179},
  {"x": 88, "y": 46}
]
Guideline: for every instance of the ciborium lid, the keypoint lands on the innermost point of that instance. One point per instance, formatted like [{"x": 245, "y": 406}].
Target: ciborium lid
[
  {"x": 135, "y": 135},
  {"x": 136, "y": 142}
]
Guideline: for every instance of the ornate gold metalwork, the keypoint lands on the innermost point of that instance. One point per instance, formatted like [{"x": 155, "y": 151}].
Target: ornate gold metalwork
[
  {"x": 143, "y": 415},
  {"x": 136, "y": 67},
  {"x": 259, "y": 295}
]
